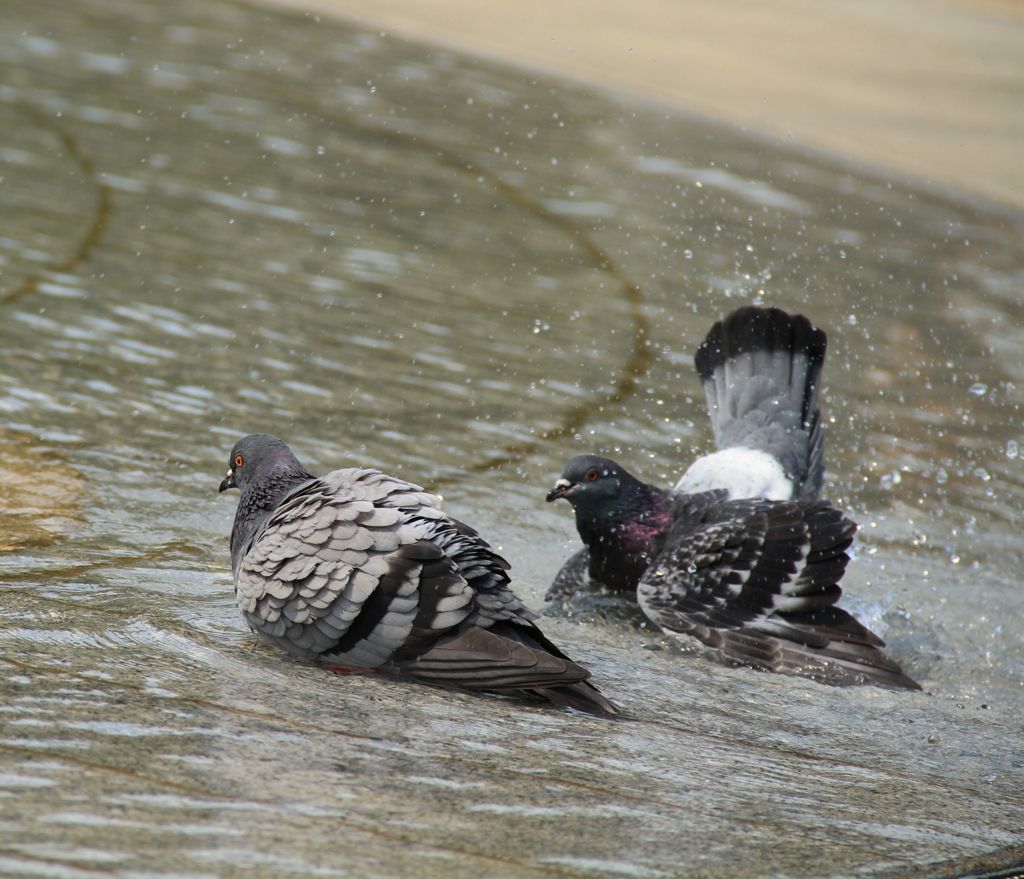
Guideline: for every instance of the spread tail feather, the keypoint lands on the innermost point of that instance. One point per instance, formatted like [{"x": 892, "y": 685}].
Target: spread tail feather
[{"x": 761, "y": 370}]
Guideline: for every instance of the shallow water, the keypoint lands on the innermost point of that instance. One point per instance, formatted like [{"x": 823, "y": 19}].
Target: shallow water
[{"x": 216, "y": 220}]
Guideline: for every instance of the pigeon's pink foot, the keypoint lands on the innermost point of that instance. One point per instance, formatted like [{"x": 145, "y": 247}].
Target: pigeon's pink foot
[{"x": 345, "y": 670}]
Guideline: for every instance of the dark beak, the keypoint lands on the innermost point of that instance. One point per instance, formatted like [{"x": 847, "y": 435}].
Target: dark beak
[
  {"x": 561, "y": 489},
  {"x": 229, "y": 481}
]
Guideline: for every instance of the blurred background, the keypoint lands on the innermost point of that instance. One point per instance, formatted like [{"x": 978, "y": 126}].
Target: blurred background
[{"x": 932, "y": 89}]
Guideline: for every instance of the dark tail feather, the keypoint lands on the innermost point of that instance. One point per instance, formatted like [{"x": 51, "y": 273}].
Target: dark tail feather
[
  {"x": 836, "y": 663},
  {"x": 583, "y": 697},
  {"x": 766, "y": 341},
  {"x": 844, "y": 664},
  {"x": 507, "y": 656}
]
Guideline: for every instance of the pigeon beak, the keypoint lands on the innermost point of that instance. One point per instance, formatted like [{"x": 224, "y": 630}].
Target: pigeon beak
[
  {"x": 561, "y": 489},
  {"x": 229, "y": 481}
]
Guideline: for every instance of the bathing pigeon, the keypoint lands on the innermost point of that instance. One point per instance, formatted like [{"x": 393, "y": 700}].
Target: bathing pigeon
[
  {"x": 742, "y": 554},
  {"x": 363, "y": 571}
]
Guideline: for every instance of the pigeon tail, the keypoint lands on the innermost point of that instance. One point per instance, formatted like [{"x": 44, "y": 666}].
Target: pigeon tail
[
  {"x": 583, "y": 696},
  {"x": 761, "y": 370},
  {"x": 504, "y": 656}
]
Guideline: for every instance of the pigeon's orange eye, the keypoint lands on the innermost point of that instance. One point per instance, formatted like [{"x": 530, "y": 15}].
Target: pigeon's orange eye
[
  {"x": 591, "y": 475},
  {"x": 239, "y": 460}
]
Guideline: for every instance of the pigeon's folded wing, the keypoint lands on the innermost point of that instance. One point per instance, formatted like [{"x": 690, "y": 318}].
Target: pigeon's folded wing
[{"x": 483, "y": 569}]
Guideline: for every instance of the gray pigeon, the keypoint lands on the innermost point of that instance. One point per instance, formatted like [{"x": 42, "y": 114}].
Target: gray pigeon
[
  {"x": 363, "y": 571},
  {"x": 742, "y": 554}
]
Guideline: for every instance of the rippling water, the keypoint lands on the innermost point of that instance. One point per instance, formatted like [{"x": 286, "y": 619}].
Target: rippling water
[{"x": 216, "y": 220}]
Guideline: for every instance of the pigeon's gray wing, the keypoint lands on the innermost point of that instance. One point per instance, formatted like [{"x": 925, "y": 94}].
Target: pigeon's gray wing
[
  {"x": 484, "y": 570},
  {"x": 759, "y": 580}
]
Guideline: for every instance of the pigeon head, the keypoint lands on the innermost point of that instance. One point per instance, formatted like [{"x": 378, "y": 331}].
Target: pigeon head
[
  {"x": 261, "y": 459},
  {"x": 590, "y": 482},
  {"x": 265, "y": 471},
  {"x": 620, "y": 519}
]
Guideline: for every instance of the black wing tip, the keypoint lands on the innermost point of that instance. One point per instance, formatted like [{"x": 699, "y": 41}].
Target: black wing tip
[
  {"x": 752, "y": 328},
  {"x": 886, "y": 675},
  {"x": 837, "y": 663},
  {"x": 583, "y": 697}
]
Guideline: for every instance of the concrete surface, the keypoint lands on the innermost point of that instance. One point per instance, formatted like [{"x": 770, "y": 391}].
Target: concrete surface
[{"x": 930, "y": 89}]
